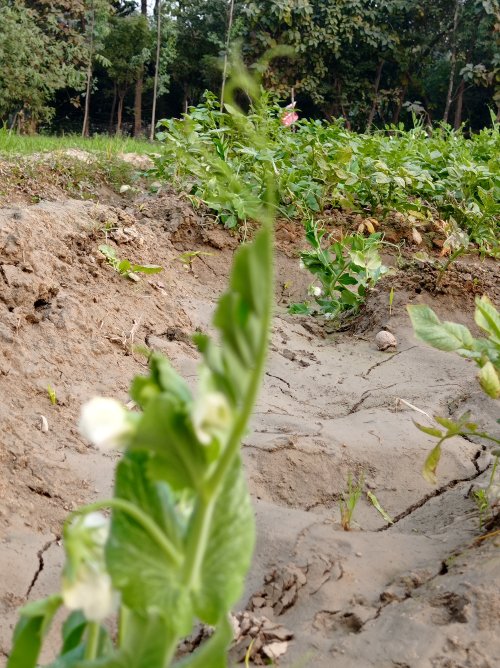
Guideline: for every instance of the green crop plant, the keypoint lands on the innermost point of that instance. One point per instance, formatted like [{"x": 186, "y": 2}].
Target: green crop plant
[
  {"x": 346, "y": 270},
  {"x": 125, "y": 267},
  {"x": 485, "y": 352},
  {"x": 322, "y": 166},
  {"x": 179, "y": 541}
]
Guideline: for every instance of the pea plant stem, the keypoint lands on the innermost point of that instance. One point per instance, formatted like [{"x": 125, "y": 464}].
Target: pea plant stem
[{"x": 92, "y": 645}]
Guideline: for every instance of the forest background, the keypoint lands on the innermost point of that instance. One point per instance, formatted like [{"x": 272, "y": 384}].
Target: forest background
[{"x": 88, "y": 66}]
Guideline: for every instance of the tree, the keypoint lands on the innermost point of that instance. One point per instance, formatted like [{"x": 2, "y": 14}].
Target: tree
[
  {"x": 127, "y": 48},
  {"x": 95, "y": 29},
  {"x": 34, "y": 64}
]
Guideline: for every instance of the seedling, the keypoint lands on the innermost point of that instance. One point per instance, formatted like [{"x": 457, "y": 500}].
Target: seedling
[
  {"x": 487, "y": 498},
  {"x": 188, "y": 257},
  {"x": 125, "y": 267},
  {"x": 52, "y": 395},
  {"x": 349, "y": 500}
]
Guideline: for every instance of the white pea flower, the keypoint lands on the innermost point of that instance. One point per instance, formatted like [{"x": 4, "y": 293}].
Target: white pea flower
[
  {"x": 86, "y": 583},
  {"x": 302, "y": 266},
  {"x": 105, "y": 423},
  {"x": 211, "y": 416},
  {"x": 328, "y": 316},
  {"x": 91, "y": 592},
  {"x": 315, "y": 291}
]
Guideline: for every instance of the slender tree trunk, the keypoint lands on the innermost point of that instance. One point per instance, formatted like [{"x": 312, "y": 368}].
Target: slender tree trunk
[
  {"x": 157, "y": 68},
  {"x": 459, "y": 104},
  {"x": 376, "y": 85},
  {"x": 121, "y": 96},
  {"x": 226, "y": 51},
  {"x": 139, "y": 87},
  {"x": 86, "y": 116},
  {"x": 138, "y": 104},
  {"x": 113, "y": 109},
  {"x": 453, "y": 68},
  {"x": 402, "y": 95}
]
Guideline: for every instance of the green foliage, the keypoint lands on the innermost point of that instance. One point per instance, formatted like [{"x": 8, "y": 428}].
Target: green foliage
[
  {"x": 319, "y": 167},
  {"x": 346, "y": 270},
  {"x": 452, "y": 337},
  {"x": 34, "y": 63},
  {"x": 125, "y": 267}
]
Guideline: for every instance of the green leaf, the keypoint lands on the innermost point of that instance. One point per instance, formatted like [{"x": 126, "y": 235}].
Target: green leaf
[
  {"x": 30, "y": 631},
  {"x": 147, "y": 268},
  {"x": 488, "y": 318},
  {"x": 213, "y": 652},
  {"x": 124, "y": 266},
  {"x": 432, "y": 431},
  {"x": 489, "y": 380},
  {"x": 378, "y": 507},
  {"x": 165, "y": 430},
  {"x": 72, "y": 631},
  {"x": 244, "y": 305},
  {"x": 431, "y": 463},
  {"x": 450, "y": 425},
  {"x": 446, "y": 336},
  {"x": 108, "y": 251},
  {"x": 229, "y": 550},
  {"x": 138, "y": 566}
]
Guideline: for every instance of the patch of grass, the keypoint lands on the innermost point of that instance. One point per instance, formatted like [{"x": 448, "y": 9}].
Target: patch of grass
[{"x": 14, "y": 144}]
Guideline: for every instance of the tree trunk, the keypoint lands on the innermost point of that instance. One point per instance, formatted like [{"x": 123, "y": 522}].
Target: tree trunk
[
  {"x": 451, "y": 81},
  {"x": 376, "y": 85},
  {"x": 86, "y": 116},
  {"x": 226, "y": 52},
  {"x": 459, "y": 104},
  {"x": 121, "y": 97},
  {"x": 157, "y": 68},
  {"x": 138, "y": 104},
  {"x": 402, "y": 95},
  {"x": 113, "y": 109},
  {"x": 139, "y": 87}
]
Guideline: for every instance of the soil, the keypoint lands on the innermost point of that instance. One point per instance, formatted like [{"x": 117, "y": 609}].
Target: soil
[{"x": 420, "y": 592}]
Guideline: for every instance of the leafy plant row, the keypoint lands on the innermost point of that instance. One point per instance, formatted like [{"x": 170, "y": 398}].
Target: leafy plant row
[{"x": 317, "y": 166}]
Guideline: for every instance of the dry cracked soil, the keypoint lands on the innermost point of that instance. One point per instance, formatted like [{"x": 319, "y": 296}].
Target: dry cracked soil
[{"x": 421, "y": 592}]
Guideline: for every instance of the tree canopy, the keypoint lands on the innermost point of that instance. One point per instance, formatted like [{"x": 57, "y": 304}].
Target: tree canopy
[{"x": 372, "y": 63}]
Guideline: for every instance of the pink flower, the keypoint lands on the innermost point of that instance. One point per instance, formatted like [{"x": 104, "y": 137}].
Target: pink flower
[{"x": 289, "y": 118}]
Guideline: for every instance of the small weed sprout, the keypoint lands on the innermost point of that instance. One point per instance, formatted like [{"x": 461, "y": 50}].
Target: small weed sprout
[
  {"x": 125, "y": 267},
  {"x": 349, "y": 500},
  {"x": 487, "y": 499},
  {"x": 52, "y": 395}
]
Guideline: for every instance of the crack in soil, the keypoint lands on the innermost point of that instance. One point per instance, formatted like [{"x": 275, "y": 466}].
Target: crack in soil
[
  {"x": 41, "y": 562},
  {"x": 437, "y": 492},
  {"x": 388, "y": 359},
  {"x": 278, "y": 378}
]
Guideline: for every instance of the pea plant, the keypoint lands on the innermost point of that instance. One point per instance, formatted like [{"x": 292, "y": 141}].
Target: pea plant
[
  {"x": 178, "y": 543},
  {"x": 125, "y": 267},
  {"x": 485, "y": 352},
  {"x": 345, "y": 269}
]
